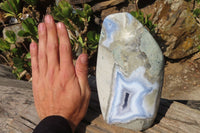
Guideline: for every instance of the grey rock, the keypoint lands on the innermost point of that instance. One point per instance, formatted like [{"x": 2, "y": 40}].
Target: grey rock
[
  {"x": 129, "y": 73},
  {"x": 181, "y": 81},
  {"x": 6, "y": 72},
  {"x": 17, "y": 110}
]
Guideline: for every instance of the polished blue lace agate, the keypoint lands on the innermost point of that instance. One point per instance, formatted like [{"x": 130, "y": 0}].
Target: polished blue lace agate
[
  {"x": 128, "y": 101},
  {"x": 129, "y": 73}
]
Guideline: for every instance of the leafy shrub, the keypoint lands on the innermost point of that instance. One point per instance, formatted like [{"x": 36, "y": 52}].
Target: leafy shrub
[
  {"x": 12, "y": 7},
  {"x": 17, "y": 54},
  {"x": 29, "y": 26},
  {"x": 77, "y": 21},
  {"x": 93, "y": 40},
  {"x": 196, "y": 12}
]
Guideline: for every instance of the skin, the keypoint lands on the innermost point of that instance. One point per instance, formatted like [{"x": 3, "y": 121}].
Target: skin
[{"x": 59, "y": 87}]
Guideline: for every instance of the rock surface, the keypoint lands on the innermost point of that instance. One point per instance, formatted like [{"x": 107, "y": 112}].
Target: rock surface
[
  {"x": 6, "y": 72},
  {"x": 106, "y": 4},
  {"x": 17, "y": 111},
  {"x": 129, "y": 72},
  {"x": 182, "y": 80},
  {"x": 176, "y": 27}
]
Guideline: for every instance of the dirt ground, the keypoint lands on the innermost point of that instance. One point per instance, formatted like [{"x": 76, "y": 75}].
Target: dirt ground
[{"x": 182, "y": 79}]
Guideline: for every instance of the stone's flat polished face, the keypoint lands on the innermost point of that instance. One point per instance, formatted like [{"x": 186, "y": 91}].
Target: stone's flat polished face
[
  {"x": 129, "y": 72},
  {"x": 128, "y": 100}
]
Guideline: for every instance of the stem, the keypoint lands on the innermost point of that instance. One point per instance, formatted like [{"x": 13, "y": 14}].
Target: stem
[
  {"x": 194, "y": 4},
  {"x": 71, "y": 33},
  {"x": 25, "y": 47},
  {"x": 5, "y": 59},
  {"x": 22, "y": 74},
  {"x": 85, "y": 28},
  {"x": 75, "y": 27},
  {"x": 84, "y": 49},
  {"x": 136, "y": 6}
]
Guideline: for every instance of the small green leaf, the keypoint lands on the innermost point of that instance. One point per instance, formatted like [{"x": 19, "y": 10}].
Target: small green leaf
[
  {"x": 87, "y": 9},
  {"x": 97, "y": 37},
  {"x": 22, "y": 33},
  {"x": 29, "y": 64},
  {"x": 20, "y": 69},
  {"x": 18, "y": 63},
  {"x": 199, "y": 47},
  {"x": 90, "y": 36},
  {"x": 80, "y": 13},
  {"x": 66, "y": 12},
  {"x": 30, "y": 28},
  {"x": 80, "y": 39},
  {"x": 92, "y": 47},
  {"x": 28, "y": 55},
  {"x": 196, "y": 12},
  {"x": 14, "y": 50},
  {"x": 4, "y": 45},
  {"x": 89, "y": 18},
  {"x": 10, "y": 36},
  {"x": 93, "y": 37}
]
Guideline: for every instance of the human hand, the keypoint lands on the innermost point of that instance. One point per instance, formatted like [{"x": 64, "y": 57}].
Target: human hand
[{"x": 59, "y": 88}]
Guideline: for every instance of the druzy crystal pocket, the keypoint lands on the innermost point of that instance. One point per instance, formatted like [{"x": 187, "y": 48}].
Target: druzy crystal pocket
[{"x": 129, "y": 73}]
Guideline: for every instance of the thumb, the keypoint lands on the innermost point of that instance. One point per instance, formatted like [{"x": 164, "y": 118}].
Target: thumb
[{"x": 82, "y": 69}]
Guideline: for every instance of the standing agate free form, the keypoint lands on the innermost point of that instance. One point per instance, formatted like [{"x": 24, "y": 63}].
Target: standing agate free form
[{"x": 129, "y": 73}]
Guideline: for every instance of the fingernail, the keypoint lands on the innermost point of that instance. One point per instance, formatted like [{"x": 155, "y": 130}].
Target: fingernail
[
  {"x": 60, "y": 25},
  {"x": 41, "y": 27},
  {"x": 33, "y": 45},
  {"x": 84, "y": 59},
  {"x": 48, "y": 19}
]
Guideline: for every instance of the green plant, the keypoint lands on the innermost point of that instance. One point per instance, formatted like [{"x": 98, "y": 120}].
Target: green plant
[
  {"x": 93, "y": 40},
  {"x": 29, "y": 26},
  {"x": 4, "y": 45},
  {"x": 77, "y": 21},
  {"x": 197, "y": 1},
  {"x": 196, "y": 12},
  {"x": 15, "y": 54},
  {"x": 139, "y": 15},
  {"x": 12, "y": 7},
  {"x": 198, "y": 47}
]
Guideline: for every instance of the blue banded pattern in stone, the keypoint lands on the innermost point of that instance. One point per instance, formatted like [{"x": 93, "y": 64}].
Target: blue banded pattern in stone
[{"x": 129, "y": 72}]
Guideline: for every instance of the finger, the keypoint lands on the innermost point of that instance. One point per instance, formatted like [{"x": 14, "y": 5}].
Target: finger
[
  {"x": 42, "y": 32},
  {"x": 52, "y": 43},
  {"x": 85, "y": 102},
  {"x": 82, "y": 71},
  {"x": 66, "y": 63},
  {"x": 34, "y": 60}
]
